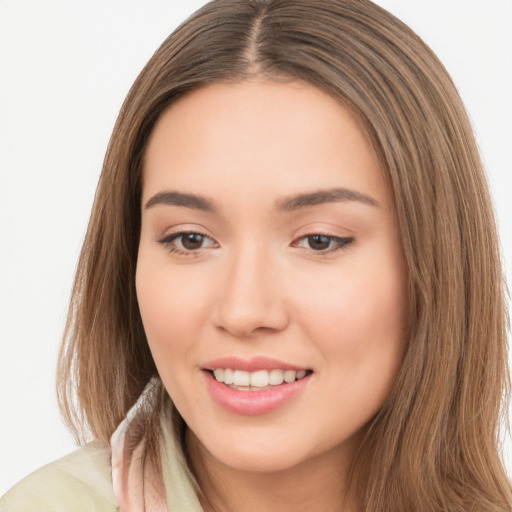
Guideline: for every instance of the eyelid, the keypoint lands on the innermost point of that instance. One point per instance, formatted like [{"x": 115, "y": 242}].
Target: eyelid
[
  {"x": 169, "y": 238},
  {"x": 336, "y": 242},
  {"x": 341, "y": 243}
]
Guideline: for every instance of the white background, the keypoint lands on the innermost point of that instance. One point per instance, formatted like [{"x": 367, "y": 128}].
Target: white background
[{"x": 65, "y": 68}]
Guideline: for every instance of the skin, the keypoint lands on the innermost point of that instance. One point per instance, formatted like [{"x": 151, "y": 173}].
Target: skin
[{"x": 258, "y": 284}]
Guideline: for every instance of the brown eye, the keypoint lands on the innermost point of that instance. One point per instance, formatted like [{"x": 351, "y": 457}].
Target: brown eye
[
  {"x": 192, "y": 241},
  {"x": 322, "y": 244},
  {"x": 187, "y": 243},
  {"x": 319, "y": 242}
]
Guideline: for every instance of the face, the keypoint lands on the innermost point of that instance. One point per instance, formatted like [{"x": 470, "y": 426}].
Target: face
[{"x": 269, "y": 259}]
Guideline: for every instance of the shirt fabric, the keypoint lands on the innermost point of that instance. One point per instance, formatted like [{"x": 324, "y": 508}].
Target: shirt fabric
[{"x": 84, "y": 481}]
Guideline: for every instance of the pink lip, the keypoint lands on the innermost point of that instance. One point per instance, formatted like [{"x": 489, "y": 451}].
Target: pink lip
[
  {"x": 251, "y": 365},
  {"x": 252, "y": 403}
]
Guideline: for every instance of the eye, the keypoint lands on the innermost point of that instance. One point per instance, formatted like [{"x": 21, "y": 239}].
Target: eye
[
  {"x": 187, "y": 243},
  {"x": 323, "y": 243}
]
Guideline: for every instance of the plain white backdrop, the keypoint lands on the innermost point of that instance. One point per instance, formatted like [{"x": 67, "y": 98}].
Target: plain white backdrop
[{"x": 65, "y": 68}]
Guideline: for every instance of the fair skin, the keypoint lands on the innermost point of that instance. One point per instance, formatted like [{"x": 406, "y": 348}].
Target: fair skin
[{"x": 315, "y": 283}]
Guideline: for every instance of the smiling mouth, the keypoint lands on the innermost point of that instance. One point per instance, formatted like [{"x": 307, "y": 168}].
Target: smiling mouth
[{"x": 259, "y": 380}]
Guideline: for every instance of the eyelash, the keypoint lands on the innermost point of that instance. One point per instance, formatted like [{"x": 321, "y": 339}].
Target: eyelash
[
  {"x": 168, "y": 242},
  {"x": 340, "y": 243}
]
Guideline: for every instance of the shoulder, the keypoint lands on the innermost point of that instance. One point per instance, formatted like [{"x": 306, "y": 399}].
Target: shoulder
[{"x": 81, "y": 481}]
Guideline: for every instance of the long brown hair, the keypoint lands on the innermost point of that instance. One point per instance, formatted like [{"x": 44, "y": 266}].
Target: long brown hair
[{"x": 434, "y": 445}]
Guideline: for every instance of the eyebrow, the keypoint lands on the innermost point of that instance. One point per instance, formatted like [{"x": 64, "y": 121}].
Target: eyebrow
[
  {"x": 181, "y": 199},
  {"x": 287, "y": 204},
  {"x": 333, "y": 195}
]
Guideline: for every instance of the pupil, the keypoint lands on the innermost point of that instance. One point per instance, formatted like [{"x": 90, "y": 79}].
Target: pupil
[
  {"x": 319, "y": 242},
  {"x": 192, "y": 241}
]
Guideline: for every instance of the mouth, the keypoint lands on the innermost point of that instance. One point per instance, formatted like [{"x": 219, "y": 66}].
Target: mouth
[
  {"x": 256, "y": 386},
  {"x": 259, "y": 380}
]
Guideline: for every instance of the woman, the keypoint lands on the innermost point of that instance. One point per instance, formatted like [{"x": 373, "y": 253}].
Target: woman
[{"x": 290, "y": 293}]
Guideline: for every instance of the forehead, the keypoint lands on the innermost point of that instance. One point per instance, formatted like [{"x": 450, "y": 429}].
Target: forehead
[{"x": 259, "y": 136}]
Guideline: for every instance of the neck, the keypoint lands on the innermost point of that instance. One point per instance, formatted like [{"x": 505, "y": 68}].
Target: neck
[{"x": 317, "y": 484}]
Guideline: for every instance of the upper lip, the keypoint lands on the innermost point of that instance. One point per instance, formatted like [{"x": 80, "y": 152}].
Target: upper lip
[{"x": 251, "y": 365}]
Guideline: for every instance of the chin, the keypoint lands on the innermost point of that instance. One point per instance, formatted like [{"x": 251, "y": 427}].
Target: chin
[
  {"x": 256, "y": 460},
  {"x": 258, "y": 451}
]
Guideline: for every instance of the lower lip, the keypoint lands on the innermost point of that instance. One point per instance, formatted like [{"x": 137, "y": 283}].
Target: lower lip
[{"x": 252, "y": 403}]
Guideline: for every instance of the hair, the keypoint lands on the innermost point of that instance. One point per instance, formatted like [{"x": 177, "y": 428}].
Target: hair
[{"x": 435, "y": 443}]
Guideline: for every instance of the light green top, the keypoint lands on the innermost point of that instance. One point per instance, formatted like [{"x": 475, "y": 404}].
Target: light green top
[{"x": 82, "y": 482}]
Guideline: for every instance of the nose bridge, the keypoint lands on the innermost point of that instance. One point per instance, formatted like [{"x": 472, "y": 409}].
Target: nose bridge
[{"x": 250, "y": 298}]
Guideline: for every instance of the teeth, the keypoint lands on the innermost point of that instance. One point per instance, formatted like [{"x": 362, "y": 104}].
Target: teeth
[
  {"x": 258, "y": 379},
  {"x": 241, "y": 378},
  {"x": 289, "y": 375},
  {"x": 276, "y": 377},
  {"x": 228, "y": 376}
]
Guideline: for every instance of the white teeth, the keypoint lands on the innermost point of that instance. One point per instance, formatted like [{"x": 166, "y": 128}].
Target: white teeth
[
  {"x": 228, "y": 376},
  {"x": 276, "y": 377},
  {"x": 241, "y": 378},
  {"x": 258, "y": 379},
  {"x": 289, "y": 375}
]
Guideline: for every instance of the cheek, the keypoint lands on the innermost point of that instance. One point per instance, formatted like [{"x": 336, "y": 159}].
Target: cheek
[
  {"x": 172, "y": 308},
  {"x": 362, "y": 340},
  {"x": 359, "y": 324},
  {"x": 359, "y": 304}
]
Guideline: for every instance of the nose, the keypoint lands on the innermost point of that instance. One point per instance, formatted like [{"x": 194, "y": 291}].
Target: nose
[{"x": 250, "y": 299}]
